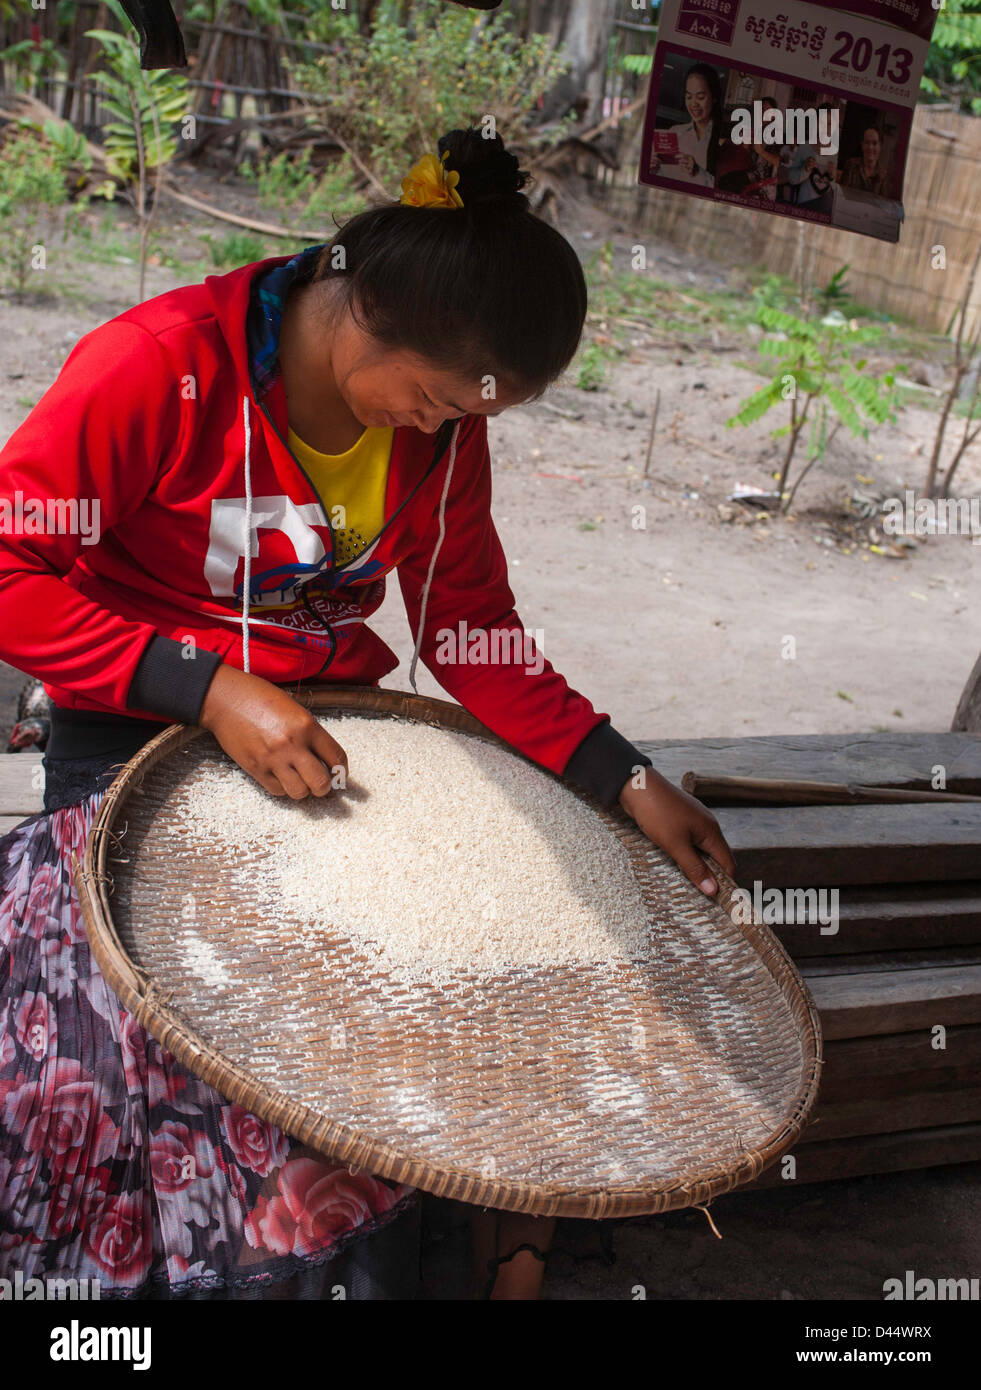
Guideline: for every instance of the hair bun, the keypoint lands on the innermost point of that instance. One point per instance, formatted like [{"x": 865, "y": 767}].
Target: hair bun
[{"x": 487, "y": 170}]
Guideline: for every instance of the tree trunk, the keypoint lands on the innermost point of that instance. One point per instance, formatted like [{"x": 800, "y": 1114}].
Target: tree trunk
[
  {"x": 967, "y": 719},
  {"x": 366, "y": 15},
  {"x": 582, "y": 30}
]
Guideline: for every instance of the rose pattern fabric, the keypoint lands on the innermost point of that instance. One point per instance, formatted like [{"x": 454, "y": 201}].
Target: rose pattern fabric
[{"x": 116, "y": 1163}]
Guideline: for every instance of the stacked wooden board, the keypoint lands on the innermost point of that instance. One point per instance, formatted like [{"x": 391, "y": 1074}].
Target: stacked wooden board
[{"x": 905, "y": 961}]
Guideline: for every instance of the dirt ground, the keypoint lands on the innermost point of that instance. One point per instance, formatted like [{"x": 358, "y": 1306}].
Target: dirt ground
[
  {"x": 676, "y": 630},
  {"x": 823, "y": 1241}
]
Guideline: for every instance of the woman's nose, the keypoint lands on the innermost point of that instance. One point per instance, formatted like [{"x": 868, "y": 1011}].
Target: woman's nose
[{"x": 427, "y": 421}]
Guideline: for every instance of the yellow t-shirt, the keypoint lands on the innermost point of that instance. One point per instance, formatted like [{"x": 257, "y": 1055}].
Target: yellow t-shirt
[{"x": 352, "y": 489}]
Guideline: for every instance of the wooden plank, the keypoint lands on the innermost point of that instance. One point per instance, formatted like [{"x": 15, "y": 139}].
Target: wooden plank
[
  {"x": 846, "y": 1089},
  {"x": 879, "y": 1153},
  {"x": 883, "y": 1058},
  {"x": 19, "y": 796},
  {"x": 867, "y": 963},
  {"x": 886, "y": 760},
  {"x": 890, "y": 1114},
  {"x": 916, "y": 915},
  {"x": 8, "y": 823},
  {"x": 829, "y": 845},
  {"x": 897, "y": 1001}
]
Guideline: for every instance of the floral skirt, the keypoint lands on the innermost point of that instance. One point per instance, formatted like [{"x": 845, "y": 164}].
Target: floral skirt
[{"x": 118, "y": 1165}]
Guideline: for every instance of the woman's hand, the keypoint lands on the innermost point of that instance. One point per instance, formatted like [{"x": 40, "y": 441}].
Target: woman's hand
[
  {"x": 679, "y": 824},
  {"x": 687, "y": 163},
  {"x": 270, "y": 736},
  {"x": 655, "y": 163}
]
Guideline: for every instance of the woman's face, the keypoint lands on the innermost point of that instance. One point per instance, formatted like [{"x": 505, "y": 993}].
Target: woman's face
[
  {"x": 871, "y": 146},
  {"x": 383, "y": 387},
  {"x": 698, "y": 99}
]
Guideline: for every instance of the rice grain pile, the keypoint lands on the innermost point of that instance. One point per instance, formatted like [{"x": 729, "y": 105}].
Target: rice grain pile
[{"x": 443, "y": 856}]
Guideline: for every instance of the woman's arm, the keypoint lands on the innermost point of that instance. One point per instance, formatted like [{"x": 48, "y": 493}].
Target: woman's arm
[
  {"x": 89, "y": 451},
  {"x": 94, "y": 446}
]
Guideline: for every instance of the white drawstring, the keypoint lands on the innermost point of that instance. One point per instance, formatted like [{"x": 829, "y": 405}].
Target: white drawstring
[
  {"x": 432, "y": 562},
  {"x": 247, "y": 552}
]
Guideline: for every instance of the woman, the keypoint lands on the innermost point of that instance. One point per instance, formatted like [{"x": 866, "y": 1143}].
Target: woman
[
  {"x": 698, "y": 139},
  {"x": 262, "y": 450},
  {"x": 866, "y": 171}
]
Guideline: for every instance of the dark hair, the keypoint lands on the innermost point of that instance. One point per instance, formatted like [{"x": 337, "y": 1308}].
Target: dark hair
[
  {"x": 486, "y": 289},
  {"x": 714, "y": 84}
]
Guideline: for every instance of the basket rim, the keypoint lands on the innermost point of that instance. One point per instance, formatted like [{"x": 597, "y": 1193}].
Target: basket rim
[{"x": 355, "y": 1149}]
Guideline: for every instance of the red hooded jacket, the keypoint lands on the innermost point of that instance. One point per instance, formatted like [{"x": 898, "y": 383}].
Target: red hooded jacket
[{"x": 152, "y": 483}]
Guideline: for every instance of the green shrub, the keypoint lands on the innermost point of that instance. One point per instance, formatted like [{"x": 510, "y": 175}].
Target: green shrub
[
  {"x": 811, "y": 361},
  {"x": 289, "y": 187},
  {"x": 32, "y": 192},
  {"x": 593, "y": 365},
  {"x": 237, "y": 248},
  {"x": 392, "y": 93}
]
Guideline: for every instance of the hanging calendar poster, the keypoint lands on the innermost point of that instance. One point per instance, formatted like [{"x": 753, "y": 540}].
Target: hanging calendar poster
[{"x": 800, "y": 109}]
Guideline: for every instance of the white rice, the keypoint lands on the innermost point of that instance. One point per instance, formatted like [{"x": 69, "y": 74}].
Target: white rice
[
  {"x": 202, "y": 960},
  {"x": 442, "y": 856}
]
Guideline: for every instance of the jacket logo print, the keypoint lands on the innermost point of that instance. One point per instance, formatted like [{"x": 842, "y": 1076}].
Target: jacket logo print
[{"x": 226, "y": 547}]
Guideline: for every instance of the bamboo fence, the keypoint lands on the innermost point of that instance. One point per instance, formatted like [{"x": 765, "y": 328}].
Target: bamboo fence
[{"x": 229, "y": 61}]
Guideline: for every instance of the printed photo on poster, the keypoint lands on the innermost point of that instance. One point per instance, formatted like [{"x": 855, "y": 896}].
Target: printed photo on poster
[{"x": 787, "y": 138}]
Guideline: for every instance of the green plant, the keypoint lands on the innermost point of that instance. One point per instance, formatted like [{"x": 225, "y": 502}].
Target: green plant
[
  {"x": 639, "y": 63},
  {"x": 237, "y": 248},
  {"x": 773, "y": 291},
  {"x": 953, "y": 67},
  {"x": 70, "y": 143},
  {"x": 815, "y": 367},
  {"x": 146, "y": 106},
  {"x": 390, "y": 93},
  {"x": 140, "y": 139},
  {"x": 593, "y": 368},
  {"x": 287, "y": 183},
  {"x": 32, "y": 60},
  {"x": 70, "y": 149},
  {"x": 32, "y": 192}
]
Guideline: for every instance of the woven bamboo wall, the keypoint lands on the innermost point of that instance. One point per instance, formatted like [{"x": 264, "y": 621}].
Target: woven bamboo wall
[{"x": 942, "y": 198}]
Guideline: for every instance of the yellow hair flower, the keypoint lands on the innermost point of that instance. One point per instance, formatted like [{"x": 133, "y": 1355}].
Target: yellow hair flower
[{"x": 430, "y": 185}]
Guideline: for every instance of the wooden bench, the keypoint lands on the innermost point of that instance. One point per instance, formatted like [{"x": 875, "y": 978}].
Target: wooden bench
[
  {"x": 21, "y": 787},
  {"x": 905, "y": 960}
]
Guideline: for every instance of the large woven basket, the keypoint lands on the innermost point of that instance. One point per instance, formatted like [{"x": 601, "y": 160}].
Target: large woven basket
[{"x": 604, "y": 1090}]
